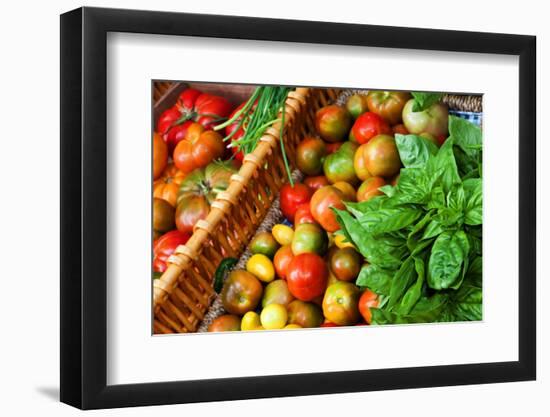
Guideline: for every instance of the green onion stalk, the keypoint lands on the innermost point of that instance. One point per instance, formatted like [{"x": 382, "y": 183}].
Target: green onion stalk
[{"x": 254, "y": 120}]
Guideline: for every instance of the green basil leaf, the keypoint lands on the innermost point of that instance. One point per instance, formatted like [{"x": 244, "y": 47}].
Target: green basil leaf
[
  {"x": 423, "y": 101},
  {"x": 375, "y": 278},
  {"x": 383, "y": 251},
  {"x": 456, "y": 198},
  {"x": 443, "y": 166},
  {"x": 414, "y": 150},
  {"x": 474, "y": 204},
  {"x": 437, "y": 198},
  {"x": 446, "y": 260},
  {"x": 465, "y": 305},
  {"x": 415, "y": 291},
  {"x": 401, "y": 281},
  {"x": 388, "y": 220},
  {"x": 414, "y": 186},
  {"x": 433, "y": 229}
]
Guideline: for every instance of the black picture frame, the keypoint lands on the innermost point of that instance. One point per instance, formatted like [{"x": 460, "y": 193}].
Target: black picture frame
[{"x": 84, "y": 207}]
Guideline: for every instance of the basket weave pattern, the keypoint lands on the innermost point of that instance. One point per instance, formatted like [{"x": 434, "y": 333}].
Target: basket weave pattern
[{"x": 183, "y": 294}]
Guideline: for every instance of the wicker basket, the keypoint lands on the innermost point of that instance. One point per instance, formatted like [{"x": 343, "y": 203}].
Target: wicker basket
[{"x": 183, "y": 294}]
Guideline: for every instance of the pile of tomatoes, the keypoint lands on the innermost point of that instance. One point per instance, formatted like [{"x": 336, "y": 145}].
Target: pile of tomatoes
[
  {"x": 191, "y": 165},
  {"x": 302, "y": 274}
]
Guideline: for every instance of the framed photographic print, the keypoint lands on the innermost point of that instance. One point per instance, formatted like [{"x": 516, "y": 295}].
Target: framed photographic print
[{"x": 279, "y": 189}]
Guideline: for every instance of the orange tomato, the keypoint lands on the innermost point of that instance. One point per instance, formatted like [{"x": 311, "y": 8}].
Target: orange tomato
[
  {"x": 160, "y": 155},
  {"x": 198, "y": 149},
  {"x": 167, "y": 186}
]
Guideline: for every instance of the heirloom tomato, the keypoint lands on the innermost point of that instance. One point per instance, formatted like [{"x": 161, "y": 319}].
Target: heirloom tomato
[
  {"x": 338, "y": 166},
  {"x": 304, "y": 314},
  {"x": 309, "y": 237},
  {"x": 225, "y": 323},
  {"x": 321, "y": 207},
  {"x": 433, "y": 120},
  {"x": 261, "y": 267},
  {"x": 264, "y": 243},
  {"x": 291, "y": 197},
  {"x": 165, "y": 246},
  {"x": 167, "y": 186},
  {"x": 357, "y": 105},
  {"x": 241, "y": 292},
  {"x": 310, "y": 154},
  {"x": 206, "y": 109},
  {"x": 307, "y": 276},
  {"x": 341, "y": 303},
  {"x": 163, "y": 216},
  {"x": 198, "y": 149},
  {"x": 274, "y": 317},
  {"x": 333, "y": 123},
  {"x": 198, "y": 190},
  {"x": 367, "y": 126},
  {"x": 381, "y": 156},
  {"x": 345, "y": 264},
  {"x": 388, "y": 104}
]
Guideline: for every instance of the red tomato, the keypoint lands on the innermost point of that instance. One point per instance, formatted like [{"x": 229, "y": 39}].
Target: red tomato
[
  {"x": 368, "y": 299},
  {"x": 368, "y": 125},
  {"x": 192, "y": 105},
  {"x": 209, "y": 110},
  {"x": 303, "y": 215},
  {"x": 316, "y": 182},
  {"x": 167, "y": 119},
  {"x": 307, "y": 276},
  {"x": 291, "y": 197},
  {"x": 187, "y": 98},
  {"x": 328, "y": 324},
  {"x": 165, "y": 246}
]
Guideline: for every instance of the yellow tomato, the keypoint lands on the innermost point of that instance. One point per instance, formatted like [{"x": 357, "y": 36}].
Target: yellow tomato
[
  {"x": 250, "y": 321},
  {"x": 283, "y": 234},
  {"x": 261, "y": 267},
  {"x": 341, "y": 242},
  {"x": 293, "y": 326},
  {"x": 274, "y": 316}
]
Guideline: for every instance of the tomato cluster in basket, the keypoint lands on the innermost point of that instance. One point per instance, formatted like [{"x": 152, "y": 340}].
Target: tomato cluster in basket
[
  {"x": 191, "y": 164},
  {"x": 303, "y": 272}
]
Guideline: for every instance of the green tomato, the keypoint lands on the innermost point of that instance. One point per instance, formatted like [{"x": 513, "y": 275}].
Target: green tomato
[
  {"x": 265, "y": 244},
  {"x": 338, "y": 166},
  {"x": 309, "y": 238}
]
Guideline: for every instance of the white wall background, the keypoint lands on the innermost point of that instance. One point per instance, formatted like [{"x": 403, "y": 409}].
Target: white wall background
[{"x": 29, "y": 213}]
